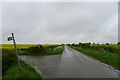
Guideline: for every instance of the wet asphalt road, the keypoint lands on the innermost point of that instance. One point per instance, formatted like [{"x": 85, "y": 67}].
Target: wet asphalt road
[{"x": 70, "y": 64}]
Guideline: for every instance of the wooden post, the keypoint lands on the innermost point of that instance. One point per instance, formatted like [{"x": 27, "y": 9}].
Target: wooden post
[{"x": 16, "y": 51}]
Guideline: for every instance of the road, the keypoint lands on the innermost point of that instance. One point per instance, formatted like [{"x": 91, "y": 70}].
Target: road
[{"x": 70, "y": 64}]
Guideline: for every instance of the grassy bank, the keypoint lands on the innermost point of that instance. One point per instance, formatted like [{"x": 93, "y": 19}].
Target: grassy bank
[
  {"x": 106, "y": 57},
  {"x": 47, "y": 52},
  {"x": 27, "y": 72},
  {"x": 10, "y": 68}
]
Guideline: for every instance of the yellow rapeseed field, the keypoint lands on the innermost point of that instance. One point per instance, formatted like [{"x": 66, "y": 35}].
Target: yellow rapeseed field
[{"x": 19, "y": 46}]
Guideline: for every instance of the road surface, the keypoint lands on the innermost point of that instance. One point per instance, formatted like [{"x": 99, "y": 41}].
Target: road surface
[{"x": 70, "y": 64}]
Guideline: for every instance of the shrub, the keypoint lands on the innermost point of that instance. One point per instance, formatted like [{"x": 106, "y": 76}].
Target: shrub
[
  {"x": 38, "y": 48},
  {"x": 112, "y": 48}
]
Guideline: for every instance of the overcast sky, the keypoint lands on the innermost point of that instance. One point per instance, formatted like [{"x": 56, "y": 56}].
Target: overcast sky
[{"x": 61, "y": 22}]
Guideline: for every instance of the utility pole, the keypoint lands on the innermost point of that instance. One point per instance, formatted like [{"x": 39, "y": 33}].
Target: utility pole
[{"x": 12, "y": 38}]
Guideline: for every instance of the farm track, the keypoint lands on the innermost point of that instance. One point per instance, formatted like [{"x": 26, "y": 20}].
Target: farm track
[{"x": 70, "y": 64}]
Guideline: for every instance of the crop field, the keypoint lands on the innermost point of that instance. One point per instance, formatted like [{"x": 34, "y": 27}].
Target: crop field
[
  {"x": 20, "y": 46},
  {"x": 113, "y": 48}
]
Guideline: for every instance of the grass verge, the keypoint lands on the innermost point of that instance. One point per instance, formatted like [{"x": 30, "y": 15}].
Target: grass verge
[
  {"x": 52, "y": 52},
  {"x": 27, "y": 73},
  {"x": 106, "y": 57}
]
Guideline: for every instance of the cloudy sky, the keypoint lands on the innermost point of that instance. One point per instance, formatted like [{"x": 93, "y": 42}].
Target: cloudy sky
[{"x": 60, "y": 22}]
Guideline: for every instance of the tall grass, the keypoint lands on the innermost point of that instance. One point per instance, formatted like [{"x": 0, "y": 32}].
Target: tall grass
[
  {"x": 10, "y": 68},
  {"x": 27, "y": 72},
  {"x": 108, "y": 54},
  {"x": 112, "y": 48},
  {"x": 106, "y": 57}
]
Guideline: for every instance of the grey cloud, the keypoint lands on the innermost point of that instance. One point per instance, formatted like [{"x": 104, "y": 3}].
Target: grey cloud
[{"x": 60, "y": 22}]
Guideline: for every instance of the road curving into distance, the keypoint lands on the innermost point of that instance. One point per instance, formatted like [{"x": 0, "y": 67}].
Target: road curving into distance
[{"x": 70, "y": 64}]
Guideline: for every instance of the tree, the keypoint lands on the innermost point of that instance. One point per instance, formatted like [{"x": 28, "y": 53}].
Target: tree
[
  {"x": 118, "y": 43},
  {"x": 107, "y": 43}
]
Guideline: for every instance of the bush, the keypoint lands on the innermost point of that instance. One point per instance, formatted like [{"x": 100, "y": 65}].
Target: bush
[
  {"x": 43, "y": 50},
  {"x": 40, "y": 48},
  {"x": 112, "y": 48}
]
